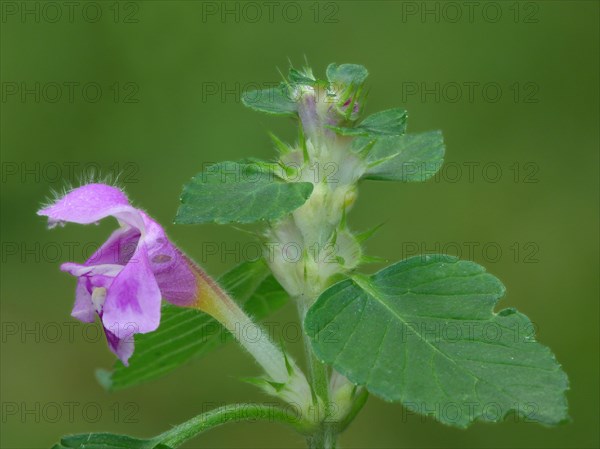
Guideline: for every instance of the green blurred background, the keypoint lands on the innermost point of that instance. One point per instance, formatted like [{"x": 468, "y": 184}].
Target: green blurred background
[{"x": 170, "y": 75}]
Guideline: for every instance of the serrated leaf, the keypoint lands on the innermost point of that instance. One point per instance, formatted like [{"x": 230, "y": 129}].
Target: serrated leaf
[
  {"x": 408, "y": 158},
  {"x": 385, "y": 123},
  {"x": 186, "y": 333},
  {"x": 106, "y": 441},
  {"x": 423, "y": 332},
  {"x": 275, "y": 100},
  {"x": 232, "y": 192},
  {"x": 347, "y": 74}
]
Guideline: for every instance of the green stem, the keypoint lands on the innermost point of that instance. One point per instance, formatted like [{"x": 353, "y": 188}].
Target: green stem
[
  {"x": 279, "y": 367},
  {"x": 222, "y": 415},
  {"x": 217, "y": 303},
  {"x": 318, "y": 372},
  {"x": 324, "y": 437}
]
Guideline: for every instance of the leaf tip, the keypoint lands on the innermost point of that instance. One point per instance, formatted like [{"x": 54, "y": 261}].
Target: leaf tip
[{"x": 104, "y": 378}]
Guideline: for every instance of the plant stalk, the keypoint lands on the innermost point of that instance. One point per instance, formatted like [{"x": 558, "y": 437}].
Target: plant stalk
[
  {"x": 279, "y": 368},
  {"x": 325, "y": 436},
  {"x": 222, "y": 415}
]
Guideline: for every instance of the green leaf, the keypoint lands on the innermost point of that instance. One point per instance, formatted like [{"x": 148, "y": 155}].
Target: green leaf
[
  {"x": 266, "y": 299},
  {"x": 423, "y": 332},
  {"x": 106, "y": 441},
  {"x": 232, "y": 192},
  {"x": 186, "y": 333},
  {"x": 275, "y": 100},
  {"x": 408, "y": 158},
  {"x": 297, "y": 77},
  {"x": 347, "y": 74},
  {"x": 385, "y": 123}
]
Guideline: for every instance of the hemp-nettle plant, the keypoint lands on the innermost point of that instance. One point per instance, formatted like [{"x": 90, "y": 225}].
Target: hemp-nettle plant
[{"x": 421, "y": 332}]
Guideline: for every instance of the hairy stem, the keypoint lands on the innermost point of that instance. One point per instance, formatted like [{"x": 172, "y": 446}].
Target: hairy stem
[
  {"x": 318, "y": 227},
  {"x": 325, "y": 436},
  {"x": 222, "y": 415},
  {"x": 269, "y": 356},
  {"x": 279, "y": 368},
  {"x": 318, "y": 372}
]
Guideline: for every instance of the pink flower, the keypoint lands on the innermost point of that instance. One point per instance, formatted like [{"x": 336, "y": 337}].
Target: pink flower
[{"x": 124, "y": 280}]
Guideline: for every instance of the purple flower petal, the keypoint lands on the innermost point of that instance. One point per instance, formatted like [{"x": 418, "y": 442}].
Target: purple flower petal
[
  {"x": 121, "y": 347},
  {"x": 177, "y": 283},
  {"x": 133, "y": 300},
  {"x": 118, "y": 249},
  {"x": 106, "y": 270},
  {"x": 91, "y": 203},
  {"x": 176, "y": 280},
  {"x": 89, "y": 278},
  {"x": 83, "y": 309}
]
